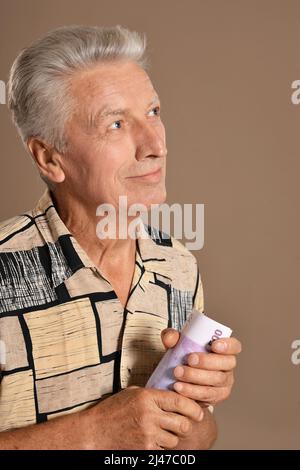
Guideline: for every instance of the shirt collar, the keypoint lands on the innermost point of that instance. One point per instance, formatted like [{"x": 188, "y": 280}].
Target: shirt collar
[
  {"x": 151, "y": 252},
  {"x": 54, "y": 230}
]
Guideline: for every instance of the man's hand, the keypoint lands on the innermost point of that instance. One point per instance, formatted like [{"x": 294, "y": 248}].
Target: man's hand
[
  {"x": 207, "y": 377},
  {"x": 139, "y": 418},
  {"x": 135, "y": 418}
]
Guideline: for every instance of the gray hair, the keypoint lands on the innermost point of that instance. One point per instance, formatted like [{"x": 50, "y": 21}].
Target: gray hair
[{"x": 40, "y": 75}]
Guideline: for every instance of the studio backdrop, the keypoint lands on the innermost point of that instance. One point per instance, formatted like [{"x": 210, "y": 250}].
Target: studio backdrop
[{"x": 227, "y": 74}]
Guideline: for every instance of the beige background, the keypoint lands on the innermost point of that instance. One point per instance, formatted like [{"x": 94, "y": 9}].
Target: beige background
[{"x": 223, "y": 70}]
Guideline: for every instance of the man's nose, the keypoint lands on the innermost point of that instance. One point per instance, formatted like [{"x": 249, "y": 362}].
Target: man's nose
[{"x": 150, "y": 141}]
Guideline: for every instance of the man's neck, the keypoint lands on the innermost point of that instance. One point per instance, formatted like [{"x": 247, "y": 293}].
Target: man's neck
[{"x": 82, "y": 222}]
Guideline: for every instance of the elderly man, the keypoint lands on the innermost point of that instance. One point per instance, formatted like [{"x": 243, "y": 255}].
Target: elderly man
[{"x": 85, "y": 319}]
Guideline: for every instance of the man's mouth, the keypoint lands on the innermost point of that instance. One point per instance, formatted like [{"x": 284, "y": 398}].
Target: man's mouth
[{"x": 152, "y": 176}]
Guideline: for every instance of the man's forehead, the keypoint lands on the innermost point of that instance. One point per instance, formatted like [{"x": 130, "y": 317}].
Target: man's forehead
[
  {"x": 109, "y": 89},
  {"x": 109, "y": 80}
]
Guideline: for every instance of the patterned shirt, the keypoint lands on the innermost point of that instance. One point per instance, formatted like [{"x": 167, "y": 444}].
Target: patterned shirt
[{"x": 68, "y": 340}]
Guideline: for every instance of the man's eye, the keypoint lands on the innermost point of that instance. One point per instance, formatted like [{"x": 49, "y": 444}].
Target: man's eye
[
  {"x": 155, "y": 111},
  {"x": 116, "y": 125}
]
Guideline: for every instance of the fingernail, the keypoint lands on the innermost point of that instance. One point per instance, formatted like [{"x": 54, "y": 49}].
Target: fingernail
[
  {"x": 177, "y": 386},
  {"x": 221, "y": 346},
  {"x": 178, "y": 371},
  {"x": 200, "y": 417},
  {"x": 193, "y": 360}
]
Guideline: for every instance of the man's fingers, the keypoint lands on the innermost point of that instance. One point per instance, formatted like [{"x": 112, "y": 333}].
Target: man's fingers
[
  {"x": 166, "y": 440},
  {"x": 170, "y": 337},
  {"x": 192, "y": 375},
  {"x": 179, "y": 425},
  {"x": 211, "y": 395},
  {"x": 211, "y": 361},
  {"x": 172, "y": 401},
  {"x": 226, "y": 346}
]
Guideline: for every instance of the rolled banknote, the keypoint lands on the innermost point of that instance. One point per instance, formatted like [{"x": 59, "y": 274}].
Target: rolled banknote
[{"x": 195, "y": 335}]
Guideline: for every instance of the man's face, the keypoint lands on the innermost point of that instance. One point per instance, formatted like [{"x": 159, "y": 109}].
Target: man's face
[{"x": 115, "y": 137}]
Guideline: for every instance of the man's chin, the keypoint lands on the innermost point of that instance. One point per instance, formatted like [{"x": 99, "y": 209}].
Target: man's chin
[{"x": 157, "y": 197}]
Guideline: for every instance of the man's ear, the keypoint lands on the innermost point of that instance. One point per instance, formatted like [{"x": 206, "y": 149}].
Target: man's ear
[{"x": 47, "y": 159}]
